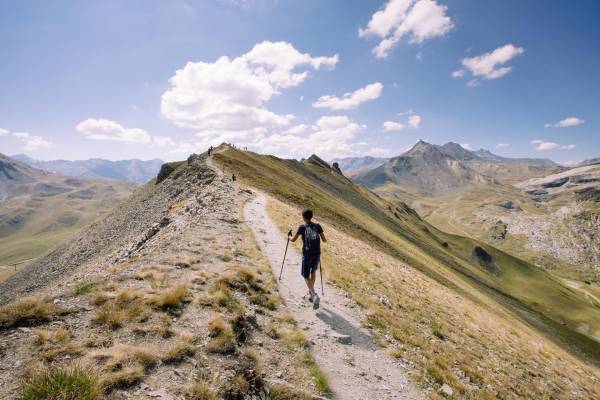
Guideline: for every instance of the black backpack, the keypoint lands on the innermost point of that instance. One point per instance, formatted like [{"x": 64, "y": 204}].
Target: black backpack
[{"x": 311, "y": 237}]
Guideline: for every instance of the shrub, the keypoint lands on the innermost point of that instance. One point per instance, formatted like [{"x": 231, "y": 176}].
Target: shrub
[
  {"x": 179, "y": 351},
  {"x": 29, "y": 311},
  {"x": 70, "y": 383},
  {"x": 171, "y": 299},
  {"x": 200, "y": 391},
  {"x": 109, "y": 316},
  {"x": 223, "y": 340}
]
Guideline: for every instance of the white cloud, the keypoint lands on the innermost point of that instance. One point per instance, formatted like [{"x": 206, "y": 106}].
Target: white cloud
[
  {"x": 565, "y": 123},
  {"x": 162, "y": 141},
  {"x": 229, "y": 95},
  {"x": 329, "y": 137},
  {"x": 466, "y": 146},
  {"x": 295, "y": 130},
  {"x": 502, "y": 145},
  {"x": 4, "y": 132},
  {"x": 417, "y": 19},
  {"x": 350, "y": 100},
  {"x": 32, "y": 142},
  {"x": 414, "y": 121},
  {"x": 104, "y": 129},
  {"x": 490, "y": 65},
  {"x": 186, "y": 148},
  {"x": 542, "y": 145},
  {"x": 473, "y": 83},
  {"x": 393, "y": 126}
]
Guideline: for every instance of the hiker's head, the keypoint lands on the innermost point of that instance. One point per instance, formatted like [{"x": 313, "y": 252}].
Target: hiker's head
[{"x": 307, "y": 215}]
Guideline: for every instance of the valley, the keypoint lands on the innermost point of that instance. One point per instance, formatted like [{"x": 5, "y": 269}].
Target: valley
[
  {"x": 531, "y": 208},
  {"x": 40, "y": 209}
]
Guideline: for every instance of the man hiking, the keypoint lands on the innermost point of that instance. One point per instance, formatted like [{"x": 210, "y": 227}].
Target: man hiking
[{"x": 312, "y": 234}]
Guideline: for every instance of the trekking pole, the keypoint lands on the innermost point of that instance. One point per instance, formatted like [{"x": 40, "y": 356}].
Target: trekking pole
[
  {"x": 285, "y": 253},
  {"x": 321, "y": 271}
]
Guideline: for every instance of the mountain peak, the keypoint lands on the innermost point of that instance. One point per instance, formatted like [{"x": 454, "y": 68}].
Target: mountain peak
[{"x": 421, "y": 147}]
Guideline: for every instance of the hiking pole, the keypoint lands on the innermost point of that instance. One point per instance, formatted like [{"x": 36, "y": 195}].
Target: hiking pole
[
  {"x": 285, "y": 253},
  {"x": 321, "y": 271}
]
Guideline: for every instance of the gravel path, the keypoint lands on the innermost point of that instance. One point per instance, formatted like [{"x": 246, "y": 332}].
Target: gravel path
[{"x": 358, "y": 370}]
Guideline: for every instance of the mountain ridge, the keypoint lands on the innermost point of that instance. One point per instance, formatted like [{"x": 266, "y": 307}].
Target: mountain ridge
[{"x": 133, "y": 170}]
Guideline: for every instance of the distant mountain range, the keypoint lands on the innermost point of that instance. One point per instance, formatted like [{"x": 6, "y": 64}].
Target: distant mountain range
[
  {"x": 435, "y": 170},
  {"x": 129, "y": 170},
  {"x": 353, "y": 165},
  {"x": 39, "y": 208}
]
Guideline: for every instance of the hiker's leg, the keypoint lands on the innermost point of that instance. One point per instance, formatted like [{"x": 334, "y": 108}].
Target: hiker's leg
[
  {"x": 309, "y": 283},
  {"x": 313, "y": 279},
  {"x": 306, "y": 271}
]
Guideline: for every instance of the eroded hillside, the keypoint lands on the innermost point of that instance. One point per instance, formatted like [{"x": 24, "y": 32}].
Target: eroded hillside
[{"x": 166, "y": 297}]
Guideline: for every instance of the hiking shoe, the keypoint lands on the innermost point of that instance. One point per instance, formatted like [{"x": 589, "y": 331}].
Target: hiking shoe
[
  {"x": 311, "y": 296},
  {"x": 316, "y": 301}
]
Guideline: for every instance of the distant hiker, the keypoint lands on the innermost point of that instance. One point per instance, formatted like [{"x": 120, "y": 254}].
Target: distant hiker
[
  {"x": 233, "y": 177},
  {"x": 210, "y": 150},
  {"x": 312, "y": 234}
]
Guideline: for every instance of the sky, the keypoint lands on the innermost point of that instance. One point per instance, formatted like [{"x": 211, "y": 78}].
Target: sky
[{"x": 162, "y": 79}]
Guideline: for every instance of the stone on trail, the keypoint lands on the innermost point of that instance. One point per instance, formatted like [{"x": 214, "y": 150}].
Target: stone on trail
[{"x": 446, "y": 390}]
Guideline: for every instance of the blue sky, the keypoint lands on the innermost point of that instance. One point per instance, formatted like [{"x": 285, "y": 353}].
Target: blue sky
[{"x": 81, "y": 79}]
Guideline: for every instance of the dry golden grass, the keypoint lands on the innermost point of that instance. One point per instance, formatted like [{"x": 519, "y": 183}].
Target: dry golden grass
[
  {"x": 123, "y": 366},
  {"x": 222, "y": 338},
  {"x": 183, "y": 347},
  {"x": 171, "y": 299},
  {"x": 200, "y": 391},
  {"x": 109, "y": 316},
  {"x": 29, "y": 311},
  {"x": 50, "y": 344}
]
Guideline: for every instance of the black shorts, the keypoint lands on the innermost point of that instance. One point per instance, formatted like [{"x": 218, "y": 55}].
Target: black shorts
[{"x": 310, "y": 263}]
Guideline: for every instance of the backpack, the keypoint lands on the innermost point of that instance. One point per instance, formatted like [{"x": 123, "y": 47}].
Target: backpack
[{"x": 311, "y": 238}]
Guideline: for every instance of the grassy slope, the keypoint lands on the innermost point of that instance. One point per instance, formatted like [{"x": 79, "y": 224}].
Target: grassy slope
[
  {"x": 525, "y": 289},
  {"x": 40, "y": 230}
]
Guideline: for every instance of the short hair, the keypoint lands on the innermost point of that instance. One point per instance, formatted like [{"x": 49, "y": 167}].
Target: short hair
[{"x": 308, "y": 214}]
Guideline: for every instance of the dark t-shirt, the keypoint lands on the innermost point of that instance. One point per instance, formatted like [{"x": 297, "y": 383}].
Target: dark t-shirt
[{"x": 311, "y": 242}]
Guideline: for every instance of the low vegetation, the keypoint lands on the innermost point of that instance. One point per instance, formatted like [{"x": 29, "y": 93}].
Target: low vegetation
[
  {"x": 61, "y": 383},
  {"x": 29, "y": 311}
]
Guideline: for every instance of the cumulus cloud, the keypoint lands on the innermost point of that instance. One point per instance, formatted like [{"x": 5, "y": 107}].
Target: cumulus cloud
[
  {"x": 104, "y": 129},
  {"x": 542, "y": 145},
  {"x": 413, "y": 122},
  {"x": 393, "y": 126},
  {"x": 295, "y": 130},
  {"x": 32, "y": 142},
  {"x": 488, "y": 65},
  {"x": 229, "y": 95},
  {"x": 566, "y": 123},
  {"x": 416, "y": 19},
  {"x": 502, "y": 145},
  {"x": 162, "y": 141},
  {"x": 350, "y": 100},
  {"x": 329, "y": 137},
  {"x": 4, "y": 132}
]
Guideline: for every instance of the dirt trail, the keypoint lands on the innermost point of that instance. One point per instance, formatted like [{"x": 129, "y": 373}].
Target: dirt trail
[{"x": 360, "y": 370}]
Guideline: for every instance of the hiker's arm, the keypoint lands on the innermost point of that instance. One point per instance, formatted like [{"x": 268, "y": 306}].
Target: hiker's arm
[
  {"x": 323, "y": 237},
  {"x": 295, "y": 236}
]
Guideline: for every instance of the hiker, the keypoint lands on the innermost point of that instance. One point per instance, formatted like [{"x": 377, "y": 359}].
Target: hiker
[
  {"x": 209, "y": 150},
  {"x": 233, "y": 177},
  {"x": 312, "y": 234}
]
